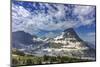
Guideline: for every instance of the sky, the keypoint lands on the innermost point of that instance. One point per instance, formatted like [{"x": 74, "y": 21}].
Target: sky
[{"x": 50, "y": 19}]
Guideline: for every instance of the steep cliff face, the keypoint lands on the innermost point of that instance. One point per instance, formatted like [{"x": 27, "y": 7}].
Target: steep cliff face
[
  {"x": 70, "y": 44},
  {"x": 70, "y": 33},
  {"x": 70, "y": 39}
]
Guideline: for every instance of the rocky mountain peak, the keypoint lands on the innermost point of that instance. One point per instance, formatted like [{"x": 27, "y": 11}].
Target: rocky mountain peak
[{"x": 71, "y": 33}]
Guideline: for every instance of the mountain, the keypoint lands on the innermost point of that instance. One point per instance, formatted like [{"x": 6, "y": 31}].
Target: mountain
[
  {"x": 21, "y": 38},
  {"x": 70, "y": 33},
  {"x": 70, "y": 44},
  {"x": 70, "y": 39},
  {"x": 66, "y": 44},
  {"x": 25, "y": 42}
]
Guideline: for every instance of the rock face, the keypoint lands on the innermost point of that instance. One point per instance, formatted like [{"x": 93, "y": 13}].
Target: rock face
[
  {"x": 70, "y": 39},
  {"x": 70, "y": 33},
  {"x": 70, "y": 44}
]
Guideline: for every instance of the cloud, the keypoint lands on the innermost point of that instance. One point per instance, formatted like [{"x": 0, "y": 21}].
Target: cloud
[
  {"x": 54, "y": 19},
  {"x": 85, "y": 14},
  {"x": 83, "y": 10}
]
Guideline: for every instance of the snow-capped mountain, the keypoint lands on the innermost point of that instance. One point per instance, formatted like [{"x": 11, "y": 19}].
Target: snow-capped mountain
[
  {"x": 66, "y": 44},
  {"x": 70, "y": 44},
  {"x": 70, "y": 39}
]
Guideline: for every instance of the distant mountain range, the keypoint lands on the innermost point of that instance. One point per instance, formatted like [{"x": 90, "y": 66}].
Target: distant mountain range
[{"x": 67, "y": 44}]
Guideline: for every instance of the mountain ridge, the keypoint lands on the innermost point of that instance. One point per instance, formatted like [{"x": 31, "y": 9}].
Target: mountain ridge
[{"x": 68, "y": 43}]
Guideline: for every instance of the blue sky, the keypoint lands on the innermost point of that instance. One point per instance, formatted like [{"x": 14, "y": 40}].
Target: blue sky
[{"x": 49, "y": 19}]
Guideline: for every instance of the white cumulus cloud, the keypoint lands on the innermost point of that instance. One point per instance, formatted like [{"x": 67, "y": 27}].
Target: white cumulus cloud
[{"x": 33, "y": 22}]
